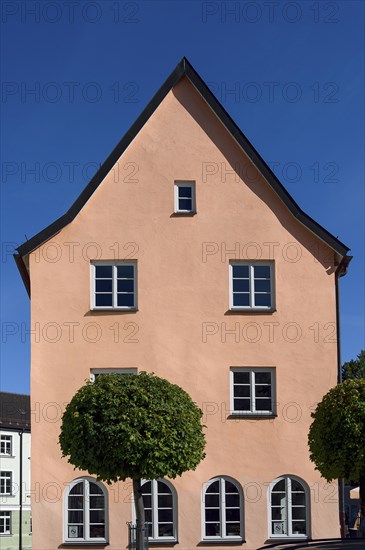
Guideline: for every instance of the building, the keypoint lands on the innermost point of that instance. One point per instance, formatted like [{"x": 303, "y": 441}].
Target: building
[
  {"x": 15, "y": 515},
  {"x": 185, "y": 256}
]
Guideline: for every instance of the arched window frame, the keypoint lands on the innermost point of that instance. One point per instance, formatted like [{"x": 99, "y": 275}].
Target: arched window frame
[
  {"x": 290, "y": 534},
  {"x": 154, "y": 490},
  {"x": 86, "y": 538},
  {"x": 222, "y": 536}
]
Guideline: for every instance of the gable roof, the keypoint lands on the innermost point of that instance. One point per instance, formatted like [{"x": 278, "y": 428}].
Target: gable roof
[
  {"x": 183, "y": 68},
  {"x": 14, "y": 411}
]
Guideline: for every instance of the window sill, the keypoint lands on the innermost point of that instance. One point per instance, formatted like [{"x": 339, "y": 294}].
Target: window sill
[
  {"x": 298, "y": 538},
  {"x": 183, "y": 214},
  {"x": 227, "y": 542},
  {"x": 161, "y": 542},
  {"x": 256, "y": 416},
  {"x": 86, "y": 543},
  {"x": 250, "y": 311},
  {"x": 113, "y": 310}
]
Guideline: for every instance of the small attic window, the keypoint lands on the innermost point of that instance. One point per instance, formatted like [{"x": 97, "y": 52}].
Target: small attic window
[{"x": 184, "y": 195}]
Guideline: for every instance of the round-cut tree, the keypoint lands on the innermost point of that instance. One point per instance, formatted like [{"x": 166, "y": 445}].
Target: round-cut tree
[
  {"x": 132, "y": 426},
  {"x": 337, "y": 436}
]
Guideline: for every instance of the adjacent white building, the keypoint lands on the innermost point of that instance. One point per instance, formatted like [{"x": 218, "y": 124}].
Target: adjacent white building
[{"x": 15, "y": 512}]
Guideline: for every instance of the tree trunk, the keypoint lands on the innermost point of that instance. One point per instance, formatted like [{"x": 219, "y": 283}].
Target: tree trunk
[
  {"x": 362, "y": 505},
  {"x": 138, "y": 502}
]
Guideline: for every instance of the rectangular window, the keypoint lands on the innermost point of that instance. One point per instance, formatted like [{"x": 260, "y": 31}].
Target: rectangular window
[
  {"x": 94, "y": 373},
  {"x": 251, "y": 285},
  {"x": 5, "y": 483},
  {"x": 252, "y": 390},
  {"x": 6, "y": 445},
  {"x": 5, "y": 523},
  {"x": 114, "y": 285},
  {"x": 184, "y": 192}
]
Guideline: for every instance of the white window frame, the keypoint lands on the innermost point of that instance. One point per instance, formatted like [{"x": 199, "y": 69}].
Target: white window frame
[
  {"x": 191, "y": 185},
  {"x": 252, "y": 371},
  {"x": 154, "y": 502},
  {"x": 2, "y": 476},
  {"x": 251, "y": 265},
  {"x": 86, "y": 508},
  {"x": 4, "y": 514},
  {"x": 8, "y": 440},
  {"x": 222, "y": 509},
  {"x": 97, "y": 372},
  {"x": 289, "y": 520},
  {"x": 114, "y": 264}
]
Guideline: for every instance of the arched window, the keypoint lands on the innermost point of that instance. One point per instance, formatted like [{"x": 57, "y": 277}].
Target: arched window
[
  {"x": 289, "y": 508},
  {"x": 86, "y": 511},
  {"x": 222, "y": 509},
  {"x": 160, "y": 507}
]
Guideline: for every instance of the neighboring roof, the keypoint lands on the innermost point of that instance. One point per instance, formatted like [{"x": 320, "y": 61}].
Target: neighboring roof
[
  {"x": 184, "y": 68},
  {"x": 14, "y": 411}
]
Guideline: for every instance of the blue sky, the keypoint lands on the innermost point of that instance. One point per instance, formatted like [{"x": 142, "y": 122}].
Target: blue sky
[{"x": 76, "y": 75}]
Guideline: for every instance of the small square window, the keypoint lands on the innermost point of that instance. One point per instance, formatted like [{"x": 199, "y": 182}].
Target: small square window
[
  {"x": 252, "y": 390},
  {"x": 6, "y": 444},
  {"x": 184, "y": 197},
  {"x": 6, "y": 483},
  {"x": 251, "y": 285},
  {"x": 5, "y": 523},
  {"x": 114, "y": 285}
]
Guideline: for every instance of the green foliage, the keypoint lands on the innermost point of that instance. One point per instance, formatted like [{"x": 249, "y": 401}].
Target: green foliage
[
  {"x": 354, "y": 368},
  {"x": 337, "y": 434},
  {"x": 132, "y": 426}
]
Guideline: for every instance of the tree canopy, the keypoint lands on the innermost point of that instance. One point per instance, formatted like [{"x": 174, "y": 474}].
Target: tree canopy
[
  {"x": 132, "y": 426},
  {"x": 337, "y": 434},
  {"x": 354, "y": 368}
]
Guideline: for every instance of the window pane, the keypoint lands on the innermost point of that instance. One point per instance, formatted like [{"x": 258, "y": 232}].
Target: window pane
[
  {"x": 233, "y": 529},
  {"x": 299, "y": 528},
  {"x": 94, "y": 489},
  {"x": 280, "y": 486},
  {"x": 185, "y": 204},
  {"x": 241, "y": 285},
  {"x": 165, "y": 501},
  {"x": 241, "y": 377},
  {"x": 262, "y": 286},
  {"x": 103, "y": 271},
  {"x": 261, "y": 271},
  {"x": 298, "y": 513},
  {"x": 296, "y": 486},
  {"x": 125, "y": 285},
  {"x": 232, "y": 501},
  {"x": 263, "y": 300},
  {"x": 212, "y": 514},
  {"x": 165, "y": 530},
  {"x": 76, "y": 531},
  {"x": 96, "y": 502},
  {"x": 97, "y": 516},
  {"x": 278, "y": 528},
  {"x": 147, "y": 501},
  {"x": 125, "y": 271},
  {"x": 242, "y": 404},
  {"x": 298, "y": 499},
  {"x": 263, "y": 404},
  {"x": 97, "y": 531},
  {"x": 230, "y": 487},
  {"x": 212, "y": 529},
  {"x": 75, "y": 502},
  {"x": 212, "y": 501},
  {"x": 185, "y": 191},
  {"x": 126, "y": 300},
  {"x": 75, "y": 516},
  {"x": 148, "y": 515},
  {"x": 149, "y": 527},
  {"x": 278, "y": 513},
  {"x": 241, "y": 391},
  {"x": 77, "y": 489},
  {"x": 213, "y": 487},
  {"x": 263, "y": 391},
  {"x": 104, "y": 285},
  {"x": 262, "y": 377},
  {"x": 233, "y": 514},
  {"x": 146, "y": 487},
  {"x": 240, "y": 271},
  {"x": 241, "y": 299},
  {"x": 163, "y": 488},
  {"x": 103, "y": 300},
  {"x": 278, "y": 499},
  {"x": 165, "y": 515}
]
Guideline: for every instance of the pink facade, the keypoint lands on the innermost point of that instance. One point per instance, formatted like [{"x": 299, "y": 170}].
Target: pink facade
[{"x": 230, "y": 337}]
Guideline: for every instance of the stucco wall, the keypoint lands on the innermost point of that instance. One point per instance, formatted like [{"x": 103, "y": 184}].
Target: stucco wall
[{"x": 183, "y": 296}]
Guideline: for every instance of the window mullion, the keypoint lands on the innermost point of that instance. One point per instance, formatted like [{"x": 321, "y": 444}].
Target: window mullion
[
  {"x": 222, "y": 508},
  {"x": 252, "y": 391},
  {"x": 154, "y": 489},
  {"x": 251, "y": 283},
  {"x": 114, "y": 285},
  {"x": 288, "y": 507}
]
